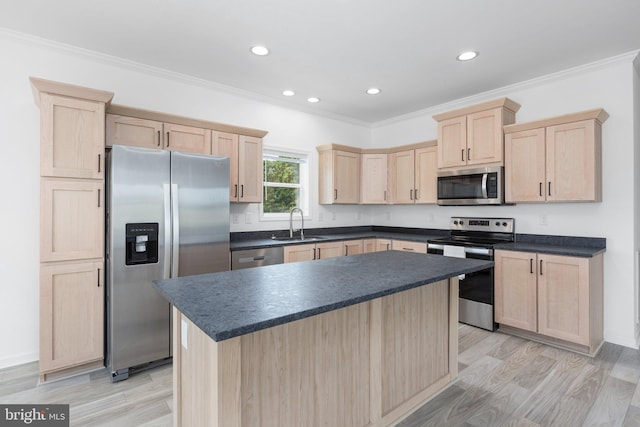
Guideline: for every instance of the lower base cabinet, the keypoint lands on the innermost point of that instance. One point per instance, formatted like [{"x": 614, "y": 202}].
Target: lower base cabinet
[
  {"x": 408, "y": 246},
  {"x": 71, "y": 315},
  {"x": 551, "y": 298}
]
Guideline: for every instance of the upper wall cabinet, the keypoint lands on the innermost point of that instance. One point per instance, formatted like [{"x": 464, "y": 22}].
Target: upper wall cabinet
[
  {"x": 412, "y": 174},
  {"x": 555, "y": 160},
  {"x": 473, "y": 135},
  {"x": 72, "y": 137},
  {"x": 245, "y": 165},
  {"x": 123, "y": 130},
  {"x": 373, "y": 178},
  {"x": 339, "y": 174}
]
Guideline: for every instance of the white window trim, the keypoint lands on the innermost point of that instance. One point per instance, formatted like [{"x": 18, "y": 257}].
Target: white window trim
[{"x": 303, "y": 185}]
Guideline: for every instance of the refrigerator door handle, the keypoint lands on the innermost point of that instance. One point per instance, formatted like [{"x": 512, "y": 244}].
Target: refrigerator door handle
[
  {"x": 175, "y": 225},
  {"x": 167, "y": 231}
]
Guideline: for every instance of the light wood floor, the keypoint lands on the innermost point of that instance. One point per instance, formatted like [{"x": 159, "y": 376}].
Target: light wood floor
[{"x": 503, "y": 381}]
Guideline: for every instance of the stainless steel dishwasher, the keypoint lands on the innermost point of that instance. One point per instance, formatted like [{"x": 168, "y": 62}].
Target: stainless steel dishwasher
[{"x": 256, "y": 257}]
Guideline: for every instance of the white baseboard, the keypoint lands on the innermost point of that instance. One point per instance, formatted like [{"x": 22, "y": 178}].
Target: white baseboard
[{"x": 19, "y": 359}]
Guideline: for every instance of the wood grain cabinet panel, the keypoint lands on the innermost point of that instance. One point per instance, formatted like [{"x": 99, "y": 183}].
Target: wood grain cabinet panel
[
  {"x": 226, "y": 144},
  {"x": 413, "y": 175},
  {"x": 426, "y": 175},
  {"x": 186, "y": 138},
  {"x": 72, "y": 137},
  {"x": 250, "y": 169},
  {"x": 71, "y": 314},
  {"x": 373, "y": 182},
  {"x": 352, "y": 247},
  {"x": 297, "y": 253},
  {"x": 135, "y": 132},
  {"x": 409, "y": 246},
  {"x": 474, "y": 135},
  {"x": 553, "y": 298},
  {"x": 555, "y": 160},
  {"x": 339, "y": 176},
  {"x": 402, "y": 176},
  {"x": 72, "y": 219}
]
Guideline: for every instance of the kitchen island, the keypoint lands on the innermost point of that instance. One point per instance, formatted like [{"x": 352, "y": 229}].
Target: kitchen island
[{"x": 348, "y": 341}]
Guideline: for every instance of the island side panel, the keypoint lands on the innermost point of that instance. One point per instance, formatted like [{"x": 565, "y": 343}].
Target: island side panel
[
  {"x": 416, "y": 347},
  {"x": 313, "y": 371},
  {"x": 206, "y": 377}
]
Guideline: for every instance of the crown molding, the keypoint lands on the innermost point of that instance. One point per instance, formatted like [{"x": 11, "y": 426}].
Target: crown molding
[
  {"x": 628, "y": 57},
  {"x": 169, "y": 75}
]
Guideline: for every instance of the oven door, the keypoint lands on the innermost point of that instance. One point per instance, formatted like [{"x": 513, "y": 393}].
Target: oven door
[{"x": 476, "y": 296}]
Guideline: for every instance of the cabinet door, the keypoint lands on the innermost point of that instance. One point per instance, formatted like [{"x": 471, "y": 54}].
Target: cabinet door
[
  {"x": 408, "y": 246},
  {"x": 452, "y": 142},
  {"x": 525, "y": 179},
  {"x": 72, "y": 137},
  {"x": 352, "y": 247},
  {"x": 329, "y": 250},
  {"x": 368, "y": 246},
  {"x": 71, "y": 314},
  {"x": 571, "y": 162},
  {"x": 383, "y": 245},
  {"x": 72, "y": 219},
  {"x": 426, "y": 175},
  {"x": 346, "y": 177},
  {"x": 516, "y": 289},
  {"x": 296, "y": 253},
  {"x": 484, "y": 137},
  {"x": 187, "y": 138},
  {"x": 402, "y": 176},
  {"x": 373, "y": 179},
  {"x": 122, "y": 130},
  {"x": 226, "y": 145},
  {"x": 250, "y": 169},
  {"x": 563, "y": 298}
]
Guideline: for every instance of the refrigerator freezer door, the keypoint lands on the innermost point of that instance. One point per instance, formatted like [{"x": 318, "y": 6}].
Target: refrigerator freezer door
[
  {"x": 138, "y": 317},
  {"x": 200, "y": 199}
]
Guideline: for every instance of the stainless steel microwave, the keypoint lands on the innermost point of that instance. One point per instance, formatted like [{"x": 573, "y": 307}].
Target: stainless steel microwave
[{"x": 482, "y": 186}]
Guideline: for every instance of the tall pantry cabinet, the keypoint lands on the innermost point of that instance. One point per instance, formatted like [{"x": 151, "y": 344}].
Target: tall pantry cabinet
[{"x": 72, "y": 126}]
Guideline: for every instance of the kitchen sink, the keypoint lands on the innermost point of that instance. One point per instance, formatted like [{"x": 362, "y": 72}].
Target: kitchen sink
[{"x": 298, "y": 239}]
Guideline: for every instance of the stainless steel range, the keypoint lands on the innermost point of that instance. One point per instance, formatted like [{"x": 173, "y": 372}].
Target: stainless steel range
[{"x": 475, "y": 238}]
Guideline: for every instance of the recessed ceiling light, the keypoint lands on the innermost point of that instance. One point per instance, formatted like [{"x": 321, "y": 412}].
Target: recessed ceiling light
[
  {"x": 313, "y": 99},
  {"x": 288, "y": 93},
  {"x": 259, "y": 50},
  {"x": 373, "y": 91},
  {"x": 466, "y": 56}
]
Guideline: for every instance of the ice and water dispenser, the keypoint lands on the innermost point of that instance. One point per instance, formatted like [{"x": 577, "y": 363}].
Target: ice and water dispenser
[{"x": 142, "y": 243}]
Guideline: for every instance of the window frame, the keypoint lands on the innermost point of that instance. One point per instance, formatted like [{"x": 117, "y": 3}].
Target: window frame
[{"x": 268, "y": 153}]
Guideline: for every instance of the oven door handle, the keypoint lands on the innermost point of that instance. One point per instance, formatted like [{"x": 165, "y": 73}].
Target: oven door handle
[
  {"x": 484, "y": 185},
  {"x": 435, "y": 246},
  {"x": 479, "y": 251}
]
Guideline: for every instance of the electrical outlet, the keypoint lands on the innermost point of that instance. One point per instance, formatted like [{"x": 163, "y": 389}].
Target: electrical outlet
[
  {"x": 235, "y": 218},
  {"x": 248, "y": 218},
  {"x": 543, "y": 219}
]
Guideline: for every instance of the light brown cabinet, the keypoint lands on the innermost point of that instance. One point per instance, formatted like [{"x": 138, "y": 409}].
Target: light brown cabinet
[
  {"x": 373, "y": 181},
  {"x": 72, "y": 219},
  {"x": 552, "y": 297},
  {"x": 71, "y": 137},
  {"x": 555, "y": 160},
  {"x": 413, "y": 175},
  {"x": 409, "y": 246},
  {"x": 353, "y": 247},
  {"x": 137, "y": 132},
  {"x": 473, "y": 135},
  {"x": 313, "y": 251},
  {"x": 339, "y": 174},
  {"x": 72, "y": 140},
  {"x": 245, "y": 164},
  {"x": 71, "y": 315},
  {"x": 376, "y": 245}
]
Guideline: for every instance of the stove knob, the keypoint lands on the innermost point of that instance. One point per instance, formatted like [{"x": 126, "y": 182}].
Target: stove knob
[
  {"x": 497, "y": 223},
  {"x": 455, "y": 222},
  {"x": 504, "y": 224},
  {"x": 461, "y": 222}
]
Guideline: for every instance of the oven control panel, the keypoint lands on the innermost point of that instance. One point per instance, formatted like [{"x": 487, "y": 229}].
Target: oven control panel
[{"x": 499, "y": 225}]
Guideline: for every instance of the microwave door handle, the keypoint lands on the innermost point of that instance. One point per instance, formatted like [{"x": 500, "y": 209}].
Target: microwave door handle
[{"x": 484, "y": 185}]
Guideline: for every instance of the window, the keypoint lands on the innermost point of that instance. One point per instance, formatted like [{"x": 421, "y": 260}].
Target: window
[{"x": 285, "y": 180}]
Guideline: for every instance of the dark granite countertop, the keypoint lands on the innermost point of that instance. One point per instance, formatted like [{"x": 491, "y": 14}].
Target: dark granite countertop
[
  {"x": 585, "y": 247},
  {"x": 233, "y": 303}
]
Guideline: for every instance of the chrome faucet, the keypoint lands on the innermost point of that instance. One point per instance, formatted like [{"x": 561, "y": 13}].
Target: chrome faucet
[{"x": 291, "y": 223}]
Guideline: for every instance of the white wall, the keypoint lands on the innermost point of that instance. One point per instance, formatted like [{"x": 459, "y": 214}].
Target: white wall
[
  {"x": 133, "y": 86},
  {"x": 636, "y": 179},
  {"x": 608, "y": 85}
]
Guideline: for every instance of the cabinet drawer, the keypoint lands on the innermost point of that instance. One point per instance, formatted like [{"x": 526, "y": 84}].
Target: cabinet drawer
[{"x": 407, "y": 246}]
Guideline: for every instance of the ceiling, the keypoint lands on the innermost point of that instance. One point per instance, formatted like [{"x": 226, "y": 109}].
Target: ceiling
[{"x": 337, "y": 49}]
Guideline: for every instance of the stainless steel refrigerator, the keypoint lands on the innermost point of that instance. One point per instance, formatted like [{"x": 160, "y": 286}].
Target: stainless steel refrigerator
[{"x": 167, "y": 216}]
